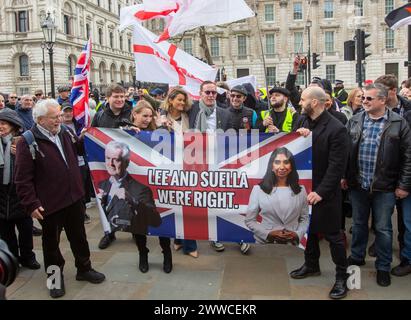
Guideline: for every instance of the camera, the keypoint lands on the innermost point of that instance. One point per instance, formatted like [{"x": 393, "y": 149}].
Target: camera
[{"x": 8, "y": 266}]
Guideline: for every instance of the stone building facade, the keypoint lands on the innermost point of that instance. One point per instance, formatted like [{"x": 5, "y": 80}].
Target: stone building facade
[{"x": 235, "y": 48}]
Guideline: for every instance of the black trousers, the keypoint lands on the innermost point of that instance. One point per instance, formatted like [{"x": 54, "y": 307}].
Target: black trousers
[
  {"x": 141, "y": 242},
  {"x": 400, "y": 224},
  {"x": 71, "y": 219},
  {"x": 21, "y": 247},
  {"x": 87, "y": 183},
  {"x": 337, "y": 248}
]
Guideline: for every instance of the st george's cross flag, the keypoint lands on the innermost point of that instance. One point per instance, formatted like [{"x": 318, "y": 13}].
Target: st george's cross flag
[
  {"x": 165, "y": 63},
  {"x": 399, "y": 17},
  {"x": 80, "y": 89},
  {"x": 184, "y": 15},
  {"x": 201, "y": 183}
]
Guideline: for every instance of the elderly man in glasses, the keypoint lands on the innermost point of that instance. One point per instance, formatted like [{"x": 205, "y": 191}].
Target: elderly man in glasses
[
  {"x": 12, "y": 102},
  {"x": 379, "y": 172}
]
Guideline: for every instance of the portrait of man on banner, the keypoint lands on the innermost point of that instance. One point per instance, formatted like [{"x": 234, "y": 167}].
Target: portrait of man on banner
[
  {"x": 128, "y": 204},
  {"x": 280, "y": 201}
]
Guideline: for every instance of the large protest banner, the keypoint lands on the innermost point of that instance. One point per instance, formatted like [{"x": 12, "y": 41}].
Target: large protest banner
[{"x": 198, "y": 183}]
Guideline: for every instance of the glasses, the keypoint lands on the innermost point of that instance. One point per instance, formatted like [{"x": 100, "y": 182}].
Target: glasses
[
  {"x": 38, "y": 94},
  {"x": 13, "y": 97},
  {"x": 367, "y": 98},
  {"x": 208, "y": 92},
  {"x": 238, "y": 96}
]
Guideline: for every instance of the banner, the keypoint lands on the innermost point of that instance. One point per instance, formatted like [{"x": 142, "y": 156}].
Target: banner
[{"x": 201, "y": 186}]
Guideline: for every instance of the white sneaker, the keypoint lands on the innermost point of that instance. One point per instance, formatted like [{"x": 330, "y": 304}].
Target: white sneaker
[
  {"x": 244, "y": 247},
  {"x": 218, "y": 246}
]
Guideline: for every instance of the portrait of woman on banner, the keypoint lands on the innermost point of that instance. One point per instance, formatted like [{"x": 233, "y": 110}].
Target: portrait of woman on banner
[{"x": 280, "y": 201}]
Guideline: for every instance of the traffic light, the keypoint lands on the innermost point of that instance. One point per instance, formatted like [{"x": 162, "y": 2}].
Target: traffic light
[
  {"x": 316, "y": 60},
  {"x": 349, "y": 50},
  {"x": 361, "y": 36}
]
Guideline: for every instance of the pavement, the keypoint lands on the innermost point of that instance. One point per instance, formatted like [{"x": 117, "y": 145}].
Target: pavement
[{"x": 262, "y": 274}]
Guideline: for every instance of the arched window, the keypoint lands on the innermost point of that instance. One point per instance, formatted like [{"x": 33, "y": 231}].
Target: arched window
[
  {"x": 121, "y": 43},
  {"x": 102, "y": 73},
  {"x": 123, "y": 73},
  {"x": 24, "y": 65},
  {"x": 87, "y": 30},
  {"x": 111, "y": 40},
  {"x": 113, "y": 73}
]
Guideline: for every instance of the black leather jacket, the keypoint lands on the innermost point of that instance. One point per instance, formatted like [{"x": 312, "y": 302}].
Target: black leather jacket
[{"x": 393, "y": 167}]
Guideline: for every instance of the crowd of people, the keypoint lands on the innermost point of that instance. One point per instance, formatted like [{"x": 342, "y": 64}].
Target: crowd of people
[{"x": 361, "y": 168}]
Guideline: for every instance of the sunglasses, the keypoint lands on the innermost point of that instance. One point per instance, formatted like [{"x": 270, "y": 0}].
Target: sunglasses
[
  {"x": 38, "y": 94},
  {"x": 367, "y": 98},
  {"x": 238, "y": 96},
  {"x": 208, "y": 92},
  {"x": 13, "y": 97}
]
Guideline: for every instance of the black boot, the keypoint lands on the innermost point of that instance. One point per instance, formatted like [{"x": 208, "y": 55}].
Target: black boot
[
  {"x": 168, "y": 261},
  {"x": 143, "y": 261}
]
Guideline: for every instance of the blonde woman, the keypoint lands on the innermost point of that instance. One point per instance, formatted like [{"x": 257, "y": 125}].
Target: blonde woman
[
  {"x": 354, "y": 103},
  {"x": 144, "y": 117}
]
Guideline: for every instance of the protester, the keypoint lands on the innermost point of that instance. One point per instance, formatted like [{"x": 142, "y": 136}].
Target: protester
[
  {"x": 64, "y": 94},
  {"x": 354, "y": 103},
  {"x": 339, "y": 92},
  {"x": 330, "y": 152},
  {"x": 241, "y": 117},
  {"x": 2, "y": 104},
  {"x": 25, "y": 111},
  {"x": 12, "y": 214},
  {"x": 12, "y": 102},
  {"x": 379, "y": 172},
  {"x": 49, "y": 185}
]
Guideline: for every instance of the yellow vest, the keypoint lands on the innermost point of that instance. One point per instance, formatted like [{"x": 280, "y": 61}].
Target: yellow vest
[{"x": 288, "y": 121}]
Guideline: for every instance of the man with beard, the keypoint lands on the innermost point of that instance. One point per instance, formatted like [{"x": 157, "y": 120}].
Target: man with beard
[
  {"x": 280, "y": 117},
  {"x": 330, "y": 152}
]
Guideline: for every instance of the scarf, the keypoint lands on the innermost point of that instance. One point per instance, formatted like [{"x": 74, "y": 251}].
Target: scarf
[
  {"x": 203, "y": 114},
  {"x": 5, "y": 158}
]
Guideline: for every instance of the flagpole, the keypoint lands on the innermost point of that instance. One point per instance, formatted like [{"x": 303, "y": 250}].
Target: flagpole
[{"x": 262, "y": 52}]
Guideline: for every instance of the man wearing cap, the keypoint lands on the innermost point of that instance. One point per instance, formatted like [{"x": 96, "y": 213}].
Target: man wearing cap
[
  {"x": 280, "y": 117},
  {"x": 339, "y": 92},
  {"x": 241, "y": 117},
  {"x": 157, "y": 93},
  {"x": 64, "y": 93}
]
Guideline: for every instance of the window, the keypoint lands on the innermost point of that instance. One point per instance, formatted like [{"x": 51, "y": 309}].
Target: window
[
  {"x": 242, "y": 47},
  {"x": 71, "y": 64},
  {"x": 391, "y": 68},
  {"x": 329, "y": 42},
  {"x": 66, "y": 21},
  {"x": 111, "y": 40},
  {"x": 98, "y": 3},
  {"x": 330, "y": 72},
  {"x": 22, "y": 21},
  {"x": 121, "y": 43},
  {"x": 269, "y": 12},
  {"x": 129, "y": 45},
  {"x": 119, "y": 9},
  {"x": 215, "y": 47},
  {"x": 298, "y": 42},
  {"x": 359, "y": 8},
  {"x": 298, "y": 11},
  {"x": 270, "y": 44},
  {"x": 24, "y": 65},
  {"x": 161, "y": 24},
  {"x": 328, "y": 9},
  {"x": 271, "y": 79},
  {"x": 243, "y": 73},
  {"x": 188, "y": 45},
  {"x": 389, "y": 6},
  {"x": 87, "y": 30},
  {"x": 100, "y": 36},
  {"x": 389, "y": 39},
  {"x": 109, "y": 5}
]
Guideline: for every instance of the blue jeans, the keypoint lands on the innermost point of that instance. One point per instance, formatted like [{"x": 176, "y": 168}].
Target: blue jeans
[
  {"x": 188, "y": 245},
  {"x": 382, "y": 205},
  {"x": 406, "y": 207}
]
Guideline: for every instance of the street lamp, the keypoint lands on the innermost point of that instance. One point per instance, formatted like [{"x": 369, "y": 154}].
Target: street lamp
[
  {"x": 43, "y": 63},
  {"x": 309, "y": 25},
  {"x": 49, "y": 31}
]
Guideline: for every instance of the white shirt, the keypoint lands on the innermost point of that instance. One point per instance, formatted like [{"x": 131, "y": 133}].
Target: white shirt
[
  {"x": 212, "y": 121},
  {"x": 53, "y": 138}
]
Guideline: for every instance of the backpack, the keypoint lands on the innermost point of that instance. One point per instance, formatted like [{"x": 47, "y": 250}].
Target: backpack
[{"x": 32, "y": 143}]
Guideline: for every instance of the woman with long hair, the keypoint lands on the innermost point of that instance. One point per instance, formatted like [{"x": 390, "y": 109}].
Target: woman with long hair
[
  {"x": 354, "y": 103},
  {"x": 175, "y": 110},
  {"x": 144, "y": 116},
  {"x": 281, "y": 202}
]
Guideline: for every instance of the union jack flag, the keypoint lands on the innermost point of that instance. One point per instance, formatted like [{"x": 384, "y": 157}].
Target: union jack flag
[
  {"x": 80, "y": 89},
  {"x": 218, "y": 153}
]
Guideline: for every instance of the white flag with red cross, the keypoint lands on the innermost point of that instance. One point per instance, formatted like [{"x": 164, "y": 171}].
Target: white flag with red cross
[{"x": 165, "y": 63}]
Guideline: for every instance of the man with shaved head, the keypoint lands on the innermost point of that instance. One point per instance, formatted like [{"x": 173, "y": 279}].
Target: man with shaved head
[{"x": 330, "y": 153}]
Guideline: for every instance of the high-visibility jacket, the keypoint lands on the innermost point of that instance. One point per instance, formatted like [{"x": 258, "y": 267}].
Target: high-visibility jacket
[{"x": 288, "y": 121}]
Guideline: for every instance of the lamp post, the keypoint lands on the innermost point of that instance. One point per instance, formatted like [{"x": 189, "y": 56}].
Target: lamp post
[
  {"x": 43, "y": 63},
  {"x": 49, "y": 31},
  {"x": 308, "y": 25}
]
